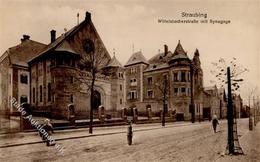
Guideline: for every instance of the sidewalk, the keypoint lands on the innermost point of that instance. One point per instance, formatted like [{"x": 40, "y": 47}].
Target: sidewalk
[
  {"x": 250, "y": 144},
  {"x": 18, "y": 139}
]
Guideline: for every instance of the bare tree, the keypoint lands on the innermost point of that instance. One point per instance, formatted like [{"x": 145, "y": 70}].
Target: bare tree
[
  {"x": 221, "y": 73},
  {"x": 163, "y": 86},
  {"x": 232, "y": 79},
  {"x": 90, "y": 69}
]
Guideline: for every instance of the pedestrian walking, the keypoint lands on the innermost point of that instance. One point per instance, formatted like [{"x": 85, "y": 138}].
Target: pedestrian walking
[
  {"x": 215, "y": 122},
  {"x": 47, "y": 126}
]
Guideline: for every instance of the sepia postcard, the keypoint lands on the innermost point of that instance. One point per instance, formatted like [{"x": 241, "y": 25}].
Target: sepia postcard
[{"x": 132, "y": 80}]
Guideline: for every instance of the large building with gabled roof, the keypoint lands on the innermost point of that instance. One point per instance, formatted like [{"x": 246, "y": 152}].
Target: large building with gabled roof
[
  {"x": 53, "y": 74},
  {"x": 54, "y": 77}
]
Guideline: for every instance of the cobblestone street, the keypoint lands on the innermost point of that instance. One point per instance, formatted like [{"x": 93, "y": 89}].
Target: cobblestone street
[{"x": 151, "y": 142}]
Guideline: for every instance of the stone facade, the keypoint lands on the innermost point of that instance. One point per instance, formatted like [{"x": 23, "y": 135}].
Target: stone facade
[
  {"x": 56, "y": 76},
  {"x": 59, "y": 78},
  {"x": 145, "y": 78},
  {"x": 15, "y": 73}
]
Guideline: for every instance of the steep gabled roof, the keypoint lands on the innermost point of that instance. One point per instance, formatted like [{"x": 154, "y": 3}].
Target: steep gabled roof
[
  {"x": 160, "y": 58},
  {"x": 137, "y": 57},
  {"x": 114, "y": 62},
  {"x": 61, "y": 43},
  {"x": 58, "y": 42},
  {"x": 22, "y": 53},
  {"x": 159, "y": 66}
]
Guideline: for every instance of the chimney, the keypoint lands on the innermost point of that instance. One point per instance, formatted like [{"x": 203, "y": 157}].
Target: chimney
[
  {"x": 53, "y": 35},
  {"x": 165, "y": 50},
  {"x": 88, "y": 17},
  {"x": 25, "y": 37}
]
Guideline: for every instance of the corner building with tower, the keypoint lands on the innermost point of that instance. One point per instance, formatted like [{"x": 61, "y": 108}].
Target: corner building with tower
[{"x": 144, "y": 83}]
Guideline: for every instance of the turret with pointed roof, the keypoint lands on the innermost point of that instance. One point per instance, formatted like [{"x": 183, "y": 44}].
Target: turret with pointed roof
[
  {"x": 179, "y": 54},
  {"x": 114, "y": 62}
]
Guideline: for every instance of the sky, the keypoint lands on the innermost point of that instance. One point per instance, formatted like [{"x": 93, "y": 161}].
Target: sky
[{"x": 132, "y": 25}]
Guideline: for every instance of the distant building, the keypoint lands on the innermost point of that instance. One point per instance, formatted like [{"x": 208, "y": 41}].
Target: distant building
[
  {"x": 214, "y": 102},
  {"x": 238, "y": 105}
]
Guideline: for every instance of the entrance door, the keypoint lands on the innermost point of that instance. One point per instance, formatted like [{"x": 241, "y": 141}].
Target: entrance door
[
  {"x": 97, "y": 100},
  {"x": 206, "y": 112}
]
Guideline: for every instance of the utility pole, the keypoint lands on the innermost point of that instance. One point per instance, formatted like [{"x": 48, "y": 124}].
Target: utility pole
[{"x": 230, "y": 116}]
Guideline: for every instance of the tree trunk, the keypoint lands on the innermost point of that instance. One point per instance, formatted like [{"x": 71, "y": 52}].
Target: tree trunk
[
  {"x": 230, "y": 116},
  {"x": 91, "y": 103}
]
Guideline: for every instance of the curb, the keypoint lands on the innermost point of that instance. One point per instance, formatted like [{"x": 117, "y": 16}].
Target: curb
[{"x": 95, "y": 135}]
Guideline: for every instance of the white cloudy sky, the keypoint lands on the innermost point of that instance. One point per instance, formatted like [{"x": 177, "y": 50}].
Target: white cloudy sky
[{"x": 124, "y": 23}]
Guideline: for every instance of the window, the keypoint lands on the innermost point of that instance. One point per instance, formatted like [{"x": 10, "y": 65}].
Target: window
[
  {"x": 183, "y": 90},
  {"x": 133, "y": 70},
  {"x": 188, "y": 91},
  {"x": 23, "y": 99},
  {"x": 175, "y": 77},
  {"x": 121, "y": 101},
  {"x": 121, "y": 87},
  {"x": 71, "y": 98},
  {"x": 54, "y": 97},
  {"x": 165, "y": 76},
  {"x": 40, "y": 93},
  {"x": 132, "y": 95},
  {"x": 133, "y": 82},
  {"x": 175, "y": 91},
  {"x": 52, "y": 62},
  {"x": 183, "y": 76},
  {"x": 188, "y": 76},
  {"x": 150, "y": 94},
  {"x": 24, "y": 78},
  {"x": 150, "y": 80},
  {"x": 33, "y": 95},
  {"x": 49, "y": 92},
  {"x": 59, "y": 61},
  {"x": 67, "y": 61},
  {"x": 73, "y": 63},
  {"x": 40, "y": 68},
  {"x": 120, "y": 75},
  {"x": 10, "y": 79},
  {"x": 71, "y": 79}
]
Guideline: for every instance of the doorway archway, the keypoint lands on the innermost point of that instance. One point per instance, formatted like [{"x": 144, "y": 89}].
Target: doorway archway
[{"x": 97, "y": 100}]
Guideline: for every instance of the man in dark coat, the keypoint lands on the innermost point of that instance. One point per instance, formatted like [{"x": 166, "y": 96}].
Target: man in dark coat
[{"x": 215, "y": 123}]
